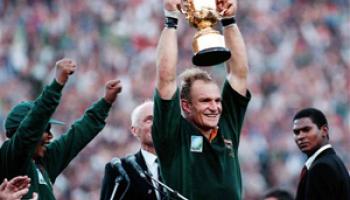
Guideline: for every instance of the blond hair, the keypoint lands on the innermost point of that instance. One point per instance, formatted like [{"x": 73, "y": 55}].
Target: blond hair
[{"x": 188, "y": 77}]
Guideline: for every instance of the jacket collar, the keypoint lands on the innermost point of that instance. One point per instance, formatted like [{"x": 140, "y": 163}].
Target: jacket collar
[{"x": 311, "y": 159}]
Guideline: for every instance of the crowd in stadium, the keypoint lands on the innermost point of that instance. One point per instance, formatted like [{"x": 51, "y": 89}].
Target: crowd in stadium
[{"x": 299, "y": 56}]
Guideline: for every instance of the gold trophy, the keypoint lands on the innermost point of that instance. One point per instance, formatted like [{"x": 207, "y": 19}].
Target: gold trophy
[{"x": 208, "y": 44}]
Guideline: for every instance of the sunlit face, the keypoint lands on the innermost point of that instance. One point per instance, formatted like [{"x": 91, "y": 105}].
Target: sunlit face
[
  {"x": 308, "y": 136},
  {"x": 205, "y": 107},
  {"x": 42, "y": 145},
  {"x": 142, "y": 128}
]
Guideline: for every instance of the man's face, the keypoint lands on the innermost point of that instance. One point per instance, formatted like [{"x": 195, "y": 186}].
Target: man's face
[
  {"x": 143, "y": 127},
  {"x": 42, "y": 145},
  {"x": 308, "y": 136},
  {"x": 205, "y": 107}
]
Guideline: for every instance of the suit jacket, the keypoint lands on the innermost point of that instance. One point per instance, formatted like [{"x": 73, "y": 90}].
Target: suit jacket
[
  {"x": 139, "y": 188},
  {"x": 327, "y": 179}
]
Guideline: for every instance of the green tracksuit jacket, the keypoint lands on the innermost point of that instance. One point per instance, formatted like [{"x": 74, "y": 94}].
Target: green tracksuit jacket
[{"x": 16, "y": 153}]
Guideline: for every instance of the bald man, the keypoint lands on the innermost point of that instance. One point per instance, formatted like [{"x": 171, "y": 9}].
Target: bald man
[{"x": 139, "y": 188}]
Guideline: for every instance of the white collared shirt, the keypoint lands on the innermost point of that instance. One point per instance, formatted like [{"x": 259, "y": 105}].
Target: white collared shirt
[
  {"x": 310, "y": 160},
  {"x": 152, "y": 166}
]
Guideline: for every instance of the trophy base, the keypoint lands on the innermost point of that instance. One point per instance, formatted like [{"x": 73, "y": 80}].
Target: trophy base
[{"x": 211, "y": 56}]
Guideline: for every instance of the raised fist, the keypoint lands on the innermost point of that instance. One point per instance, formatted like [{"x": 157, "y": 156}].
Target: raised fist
[
  {"x": 64, "y": 68},
  {"x": 113, "y": 88}
]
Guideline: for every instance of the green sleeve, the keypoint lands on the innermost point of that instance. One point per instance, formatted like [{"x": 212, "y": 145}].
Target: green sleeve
[
  {"x": 61, "y": 151},
  {"x": 166, "y": 122},
  {"x": 19, "y": 150},
  {"x": 234, "y": 107}
]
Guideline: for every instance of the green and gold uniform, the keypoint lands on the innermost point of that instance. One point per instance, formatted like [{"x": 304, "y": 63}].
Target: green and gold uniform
[{"x": 191, "y": 164}]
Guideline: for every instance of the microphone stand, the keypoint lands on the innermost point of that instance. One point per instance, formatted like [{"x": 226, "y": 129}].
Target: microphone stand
[
  {"x": 172, "y": 191},
  {"x": 114, "y": 190},
  {"x": 116, "y": 185},
  {"x": 144, "y": 173}
]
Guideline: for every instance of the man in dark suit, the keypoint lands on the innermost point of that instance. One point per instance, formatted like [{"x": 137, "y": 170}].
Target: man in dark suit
[
  {"x": 139, "y": 188},
  {"x": 324, "y": 175}
]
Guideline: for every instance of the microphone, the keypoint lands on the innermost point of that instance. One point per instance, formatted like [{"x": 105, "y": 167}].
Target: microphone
[
  {"x": 132, "y": 160},
  {"x": 117, "y": 164},
  {"x": 136, "y": 166}
]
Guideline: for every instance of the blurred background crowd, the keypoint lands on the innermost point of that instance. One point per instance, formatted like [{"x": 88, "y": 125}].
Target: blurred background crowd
[{"x": 299, "y": 55}]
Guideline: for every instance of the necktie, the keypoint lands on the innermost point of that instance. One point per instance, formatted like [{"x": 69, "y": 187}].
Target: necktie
[
  {"x": 301, "y": 185},
  {"x": 303, "y": 173},
  {"x": 158, "y": 195},
  {"x": 158, "y": 170}
]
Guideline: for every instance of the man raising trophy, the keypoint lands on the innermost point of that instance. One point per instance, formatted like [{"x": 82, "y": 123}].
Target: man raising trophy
[{"x": 196, "y": 127}]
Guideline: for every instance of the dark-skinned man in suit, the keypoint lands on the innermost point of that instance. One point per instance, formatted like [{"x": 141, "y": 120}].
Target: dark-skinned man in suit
[{"x": 324, "y": 175}]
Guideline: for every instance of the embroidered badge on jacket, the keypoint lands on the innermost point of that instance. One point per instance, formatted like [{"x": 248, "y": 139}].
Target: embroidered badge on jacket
[{"x": 196, "y": 143}]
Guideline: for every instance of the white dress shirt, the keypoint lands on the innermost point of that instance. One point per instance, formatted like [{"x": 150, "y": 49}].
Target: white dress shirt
[
  {"x": 152, "y": 166},
  {"x": 310, "y": 160}
]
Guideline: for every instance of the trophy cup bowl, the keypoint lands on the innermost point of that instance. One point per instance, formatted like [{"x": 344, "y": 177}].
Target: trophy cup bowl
[{"x": 208, "y": 44}]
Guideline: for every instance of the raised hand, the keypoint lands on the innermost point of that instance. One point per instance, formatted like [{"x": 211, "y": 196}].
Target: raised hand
[
  {"x": 113, "y": 88},
  {"x": 14, "y": 189},
  {"x": 227, "y": 8},
  {"x": 64, "y": 68}
]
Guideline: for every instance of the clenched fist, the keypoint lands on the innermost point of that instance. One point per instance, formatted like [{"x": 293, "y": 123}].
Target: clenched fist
[
  {"x": 64, "y": 68},
  {"x": 113, "y": 88}
]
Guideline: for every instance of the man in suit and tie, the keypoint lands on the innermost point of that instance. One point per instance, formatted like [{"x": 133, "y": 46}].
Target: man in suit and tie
[
  {"x": 324, "y": 175},
  {"x": 139, "y": 188}
]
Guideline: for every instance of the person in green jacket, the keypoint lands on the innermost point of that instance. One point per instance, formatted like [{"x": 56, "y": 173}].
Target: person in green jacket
[
  {"x": 196, "y": 128},
  {"x": 29, "y": 149}
]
